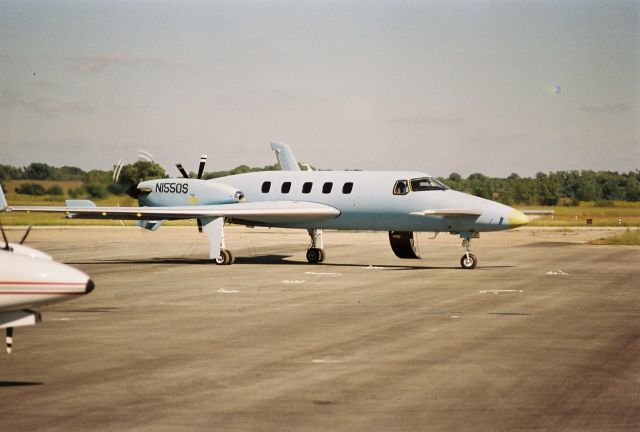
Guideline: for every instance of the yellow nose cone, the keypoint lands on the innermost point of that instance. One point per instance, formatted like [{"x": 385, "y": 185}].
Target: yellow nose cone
[{"x": 517, "y": 219}]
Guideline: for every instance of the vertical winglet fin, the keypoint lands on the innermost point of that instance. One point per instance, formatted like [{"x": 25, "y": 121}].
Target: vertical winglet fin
[
  {"x": 3, "y": 201},
  {"x": 285, "y": 156}
]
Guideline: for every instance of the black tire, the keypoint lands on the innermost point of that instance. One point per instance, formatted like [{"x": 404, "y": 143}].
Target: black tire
[
  {"x": 232, "y": 258},
  {"x": 313, "y": 255},
  {"x": 469, "y": 264},
  {"x": 322, "y": 255}
]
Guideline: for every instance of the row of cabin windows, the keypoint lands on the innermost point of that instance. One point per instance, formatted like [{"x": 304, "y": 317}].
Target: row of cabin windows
[{"x": 307, "y": 186}]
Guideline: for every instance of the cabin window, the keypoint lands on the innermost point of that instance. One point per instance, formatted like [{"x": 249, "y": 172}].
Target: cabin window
[
  {"x": 326, "y": 188},
  {"x": 401, "y": 187},
  {"x": 426, "y": 184},
  {"x": 266, "y": 186},
  {"x": 347, "y": 188},
  {"x": 306, "y": 187},
  {"x": 286, "y": 187}
]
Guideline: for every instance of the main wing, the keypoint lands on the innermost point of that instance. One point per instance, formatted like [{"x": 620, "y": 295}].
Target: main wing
[{"x": 252, "y": 212}]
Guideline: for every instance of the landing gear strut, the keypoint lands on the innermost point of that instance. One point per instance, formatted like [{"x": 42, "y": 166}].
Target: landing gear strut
[
  {"x": 468, "y": 260},
  {"x": 315, "y": 253}
]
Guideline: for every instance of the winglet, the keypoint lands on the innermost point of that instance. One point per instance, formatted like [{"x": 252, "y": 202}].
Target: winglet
[
  {"x": 3, "y": 201},
  {"x": 285, "y": 156}
]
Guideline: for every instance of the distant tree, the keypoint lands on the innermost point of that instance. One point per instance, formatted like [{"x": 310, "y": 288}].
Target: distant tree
[
  {"x": 588, "y": 188},
  {"x": 132, "y": 174},
  {"x": 7, "y": 172},
  {"x": 632, "y": 189},
  {"x": 76, "y": 192},
  {"x": 55, "y": 190},
  {"x": 455, "y": 177},
  {"x": 71, "y": 173},
  {"x": 31, "y": 189},
  {"x": 38, "y": 171},
  {"x": 97, "y": 190}
]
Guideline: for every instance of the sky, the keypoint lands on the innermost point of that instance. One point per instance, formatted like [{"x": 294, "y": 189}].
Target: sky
[{"x": 495, "y": 87}]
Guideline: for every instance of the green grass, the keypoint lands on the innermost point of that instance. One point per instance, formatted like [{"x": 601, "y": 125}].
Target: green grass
[
  {"x": 628, "y": 238},
  {"x": 620, "y": 214}
]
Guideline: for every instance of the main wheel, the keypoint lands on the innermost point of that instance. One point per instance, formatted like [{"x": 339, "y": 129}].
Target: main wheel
[
  {"x": 225, "y": 258},
  {"x": 468, "y": 263},
  {"x": 322, "y": 255},
  {"x": 232, "y": 257},
  {"x": 314, "y": 255}
]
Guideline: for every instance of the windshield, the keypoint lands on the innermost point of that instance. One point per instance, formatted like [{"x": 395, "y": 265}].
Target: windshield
[{"x": 426, "y": 184}]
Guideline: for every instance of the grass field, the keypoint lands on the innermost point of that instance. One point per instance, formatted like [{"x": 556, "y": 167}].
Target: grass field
[
  {"x": 628, "y": 238},
  {"x": 620, "y": 214}
]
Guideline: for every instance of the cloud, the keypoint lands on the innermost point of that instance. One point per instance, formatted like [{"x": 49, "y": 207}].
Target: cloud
[
  {"x": 90, "y": 65},
  {"x": 615, "y": 108},
  {"x": 427, "y": 120},
  {"x": 45, "y": 105},
  {"x": 8, "y": 98}
]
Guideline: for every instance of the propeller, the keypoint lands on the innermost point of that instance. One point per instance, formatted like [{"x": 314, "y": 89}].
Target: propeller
[
  {"x": 203, "y": 161},
  {"x": 130, "y": 187}
]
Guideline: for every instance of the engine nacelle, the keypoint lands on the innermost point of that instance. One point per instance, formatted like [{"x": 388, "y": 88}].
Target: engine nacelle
[
  {"x": 185, "y": 192},
  {"x": 404, "y": 245}
]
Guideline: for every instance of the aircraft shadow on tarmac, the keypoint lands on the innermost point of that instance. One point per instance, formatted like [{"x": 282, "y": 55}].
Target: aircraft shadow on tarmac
[
  {"x": 271, "y": 260},
  {"x": 18, "y": 383}
]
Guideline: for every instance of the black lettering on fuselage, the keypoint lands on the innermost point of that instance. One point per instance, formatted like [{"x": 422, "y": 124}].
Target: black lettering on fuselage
[{"x": 182, "y": 188}]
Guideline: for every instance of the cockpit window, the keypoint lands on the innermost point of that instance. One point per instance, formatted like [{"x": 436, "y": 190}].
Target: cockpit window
[
  {"x": 401, "y": 187},
  {"x": 426, "y": 184}
]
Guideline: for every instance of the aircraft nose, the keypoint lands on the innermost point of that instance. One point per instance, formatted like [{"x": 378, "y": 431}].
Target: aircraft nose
[
  {"x": 90, "y": 286},
  {"x": 517, "y": 218}
]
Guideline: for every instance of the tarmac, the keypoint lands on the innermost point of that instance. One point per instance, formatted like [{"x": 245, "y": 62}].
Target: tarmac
[{"x": 543, "y": 335}]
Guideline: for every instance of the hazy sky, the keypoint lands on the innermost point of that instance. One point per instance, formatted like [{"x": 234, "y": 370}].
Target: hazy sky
[{"x": 436, "y": 86}]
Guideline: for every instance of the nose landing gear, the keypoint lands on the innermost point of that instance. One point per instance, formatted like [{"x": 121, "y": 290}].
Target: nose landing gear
[
  {"x": 315, "y": 253},
  {"x": 468, "y": 260}
]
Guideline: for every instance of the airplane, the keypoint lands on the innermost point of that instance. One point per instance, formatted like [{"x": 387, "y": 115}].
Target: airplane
[
  {"x": 30, "y": 278},
  {"x": 400, "y": 202}
]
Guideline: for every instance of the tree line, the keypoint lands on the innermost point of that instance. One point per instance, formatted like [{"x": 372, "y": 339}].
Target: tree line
[{"x": 554, "y": 188}]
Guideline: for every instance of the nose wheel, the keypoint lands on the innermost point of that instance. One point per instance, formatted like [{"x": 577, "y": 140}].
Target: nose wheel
[
  {"x": 315, "y": 253},
  {"x": 468, "y": 261}
]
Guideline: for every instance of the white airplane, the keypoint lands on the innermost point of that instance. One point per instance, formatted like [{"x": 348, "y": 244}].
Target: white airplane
[
  {"x": 30, "y": 278},
  {"x": 400, "y": 202}
]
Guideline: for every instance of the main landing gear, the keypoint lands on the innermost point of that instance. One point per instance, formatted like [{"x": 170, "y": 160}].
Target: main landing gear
[
  {"x": 315, "y": 253},
  {"x": 468, "y": 260},
  {"x": 225, "y": 258}
]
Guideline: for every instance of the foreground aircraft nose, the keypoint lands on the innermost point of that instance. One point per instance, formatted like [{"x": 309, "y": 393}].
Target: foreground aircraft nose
[
  {"x": 89, "y": 287},
  {"x": 517, "y": 219}
]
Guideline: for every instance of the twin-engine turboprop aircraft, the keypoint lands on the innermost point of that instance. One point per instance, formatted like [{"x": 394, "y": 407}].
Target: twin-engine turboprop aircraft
[
  {"x": 30, "y": 278},
  {"x": 400, "y": 202}
]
